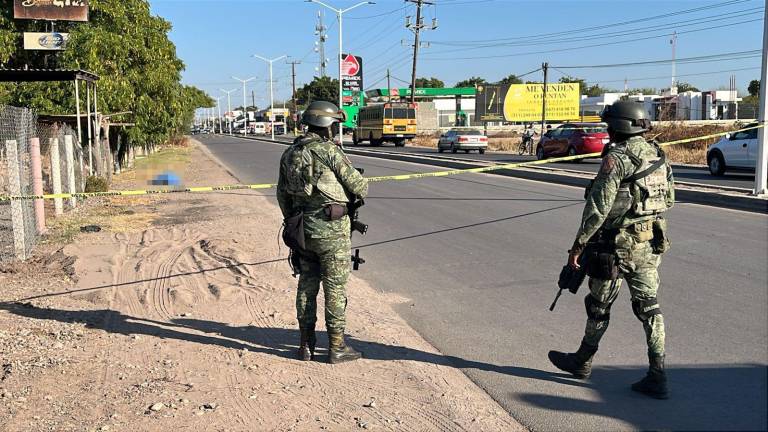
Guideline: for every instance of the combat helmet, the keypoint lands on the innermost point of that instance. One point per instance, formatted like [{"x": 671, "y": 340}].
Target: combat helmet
[
  {"x": 322, "y": 114},
  {"x": 626, "y": 117}
]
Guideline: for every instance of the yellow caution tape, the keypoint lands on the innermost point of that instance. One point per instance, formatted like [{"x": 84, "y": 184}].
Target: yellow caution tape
[{"x": 399, "y": 177}]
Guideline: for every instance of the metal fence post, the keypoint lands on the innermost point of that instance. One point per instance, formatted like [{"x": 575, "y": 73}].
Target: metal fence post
[
  {"x": 37, "y": 183},
  {"x": 17, "y": 212},
  {"x": 58, "y": 203},
  {"x": 69, "y": 153}
]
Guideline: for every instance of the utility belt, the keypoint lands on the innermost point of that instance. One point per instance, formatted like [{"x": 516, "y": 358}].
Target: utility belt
[{"x": 610, "y": 252}]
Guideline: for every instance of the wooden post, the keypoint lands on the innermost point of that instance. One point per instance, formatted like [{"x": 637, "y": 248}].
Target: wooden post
[{"x": 69, "y": 154}]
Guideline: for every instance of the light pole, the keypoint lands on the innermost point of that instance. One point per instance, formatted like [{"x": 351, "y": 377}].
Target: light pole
[
  {"x": 271, "y": 92},
  {"x": 245, "y": 111},
  {"x": 229, "y": 108},
  {"x": 218, "y": 107},
  {"x": 339, "y": 13}
]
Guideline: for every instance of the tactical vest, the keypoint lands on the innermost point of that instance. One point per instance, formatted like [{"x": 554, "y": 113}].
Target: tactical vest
[
  {"x": 305, "y": 175},
  {"x": 643, "y": 195}
]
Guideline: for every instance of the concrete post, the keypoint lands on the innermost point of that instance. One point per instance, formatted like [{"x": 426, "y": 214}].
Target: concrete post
[
  {"x": 58, "y": 203},
  {"x": 69, "y": 153},
  {"x": 17, "y": 211},
  {"x": 761, "y": 167},
  {"x": 37, "y": 183}
]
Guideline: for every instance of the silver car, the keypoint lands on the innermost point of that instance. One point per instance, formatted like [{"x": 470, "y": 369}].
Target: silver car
[{"x": 462, "y": 139}]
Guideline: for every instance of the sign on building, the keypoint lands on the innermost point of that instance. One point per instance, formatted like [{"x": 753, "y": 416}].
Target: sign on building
[
  {"x": 46, "y": 41},
  {"x": 523, "y": 102},
  {"x": 352, "y": 73},
  {"x": 52, "y": 10}
]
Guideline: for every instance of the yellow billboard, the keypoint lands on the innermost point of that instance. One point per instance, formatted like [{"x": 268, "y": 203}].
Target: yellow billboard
[{"x": 522, "y": 102}]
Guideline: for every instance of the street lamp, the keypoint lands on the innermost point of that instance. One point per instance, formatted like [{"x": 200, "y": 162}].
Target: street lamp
[
  {"x": 245, "y": 111},
  {"x": 339, "y": 13},
  {"x": 229, "y": 108},
  {"x": 218, "y": 108},
  {"x": 271, "y": 93}
]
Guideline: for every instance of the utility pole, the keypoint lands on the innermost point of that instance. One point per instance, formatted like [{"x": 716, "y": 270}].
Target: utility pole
[
  {"x": 218, "y": 107},
  {"x": 416, "y": 29},
  {"x": 339, "y": 15},
  {"x": 320, "y": 30},
  {"x": 253, "y": 102},
  {"x": 229, "y": 108},
  {"x": 389, "y": 88},
  {"x": 544, "y": 67},
  {"x": 245, "y": 111},
  {"x": 293, "y": 95},
  {"x": 761, "y": 170},
  {"x": 673, "y": 41}
]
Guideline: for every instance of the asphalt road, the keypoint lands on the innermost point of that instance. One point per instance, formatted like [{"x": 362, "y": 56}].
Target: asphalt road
[
  {"x": 479, "y": 255},
  {"x": 682, "y": 173}
]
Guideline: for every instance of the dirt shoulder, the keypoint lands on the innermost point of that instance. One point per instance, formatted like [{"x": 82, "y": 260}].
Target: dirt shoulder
[{"x": 179, "y": 315}]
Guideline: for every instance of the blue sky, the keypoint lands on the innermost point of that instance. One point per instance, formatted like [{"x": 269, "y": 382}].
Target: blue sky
[{"x": 486, "y": 38}]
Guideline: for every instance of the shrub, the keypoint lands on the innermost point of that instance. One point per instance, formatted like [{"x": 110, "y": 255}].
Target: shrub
[{"x": 96, "y": 184}]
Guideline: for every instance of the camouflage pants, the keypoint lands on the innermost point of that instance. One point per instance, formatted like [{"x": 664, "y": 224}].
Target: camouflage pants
[
  {"x": 641, "y": 274},
  {"x": 331, "y": 267}
]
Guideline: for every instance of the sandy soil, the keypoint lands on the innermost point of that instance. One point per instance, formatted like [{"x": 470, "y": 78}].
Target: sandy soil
[{"x": 184, "y": 320}]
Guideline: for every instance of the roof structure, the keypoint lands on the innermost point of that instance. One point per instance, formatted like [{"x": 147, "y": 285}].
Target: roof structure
[{"x": 46, "y": 75}]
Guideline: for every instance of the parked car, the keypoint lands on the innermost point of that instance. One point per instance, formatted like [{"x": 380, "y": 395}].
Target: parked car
[
  {"x": 737, "y": 152},
  {"x": 573, "y": 139},
  {"x": 462, "y": 139}
]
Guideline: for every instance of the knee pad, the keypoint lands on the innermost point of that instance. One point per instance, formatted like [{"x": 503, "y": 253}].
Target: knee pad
[
  {"x": 597, "y": 310},
  {"x": 645, "y": 309}
]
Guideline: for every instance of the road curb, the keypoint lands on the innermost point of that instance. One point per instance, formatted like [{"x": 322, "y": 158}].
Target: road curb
[{"x": 711, "y": 197}]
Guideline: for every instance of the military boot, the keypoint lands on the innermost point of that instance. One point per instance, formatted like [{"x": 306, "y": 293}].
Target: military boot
[
  {"x": 307, "y": 345},
  {"x": 338, "y": 350},
  {"x": 655, "y": 382},
  {"x": 579, "y": 363}
]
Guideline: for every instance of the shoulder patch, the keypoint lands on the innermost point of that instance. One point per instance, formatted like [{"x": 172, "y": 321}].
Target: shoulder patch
[{"x": 608, "y": 166}]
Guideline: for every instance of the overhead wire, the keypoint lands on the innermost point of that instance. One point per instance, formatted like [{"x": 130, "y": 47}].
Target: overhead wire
[
  {"x": 659, "y": 27},
  {"x": 696, "y": 59},
  {"x": 638, "y": 20},
  {"x": 426, "y": 57}
]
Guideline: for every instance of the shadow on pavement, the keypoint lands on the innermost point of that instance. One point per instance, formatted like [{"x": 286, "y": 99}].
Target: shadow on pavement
[
  {"x": 706, "y": 397},
  {"x": 703, "y": 397}
]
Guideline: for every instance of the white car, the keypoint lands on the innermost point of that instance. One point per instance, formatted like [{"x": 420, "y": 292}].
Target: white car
[
  {"x": 735, "y": 152},
  {"x": 462, "y": 139}
]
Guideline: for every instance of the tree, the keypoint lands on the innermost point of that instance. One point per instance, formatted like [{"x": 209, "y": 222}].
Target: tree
[
  {"x": 580, "y": 81},
  {"x": 683, "y": 87},
  {"x": 510, "y": 79},
  {"x": 642, "y": 91},
  {"x": 321, "y": 88},
  {"x": 429, "y": 83},
  {"x": 472, "y": 82},
  {"x": 754, "y": 88},
  {"x": 129, "y": 49}
]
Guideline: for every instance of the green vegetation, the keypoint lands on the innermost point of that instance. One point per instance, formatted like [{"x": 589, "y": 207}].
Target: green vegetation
[
  {"x": 683, "y": 87},
  {"x": 471, "y": 82},
  {"x": 754, "y": 88},
  {"x": 129, "y": 49},
  {"x": 96, "y": 184},
  {"x": 321, "y": 88},
  {"x": 429, "y": 83}
]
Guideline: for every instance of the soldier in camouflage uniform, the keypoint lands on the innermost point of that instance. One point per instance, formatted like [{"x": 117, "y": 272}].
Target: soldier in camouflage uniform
[
  {"x": 624, "y": 226},
  {"x": 318, "y": 179}
]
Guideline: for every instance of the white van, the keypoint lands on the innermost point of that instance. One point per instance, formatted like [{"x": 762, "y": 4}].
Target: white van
[{"x": 258, "y": 128}]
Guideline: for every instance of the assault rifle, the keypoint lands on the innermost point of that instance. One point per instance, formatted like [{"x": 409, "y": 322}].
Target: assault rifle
[
  {"x": 353, "y": 207},
  {"x": 571, "y": 279}
]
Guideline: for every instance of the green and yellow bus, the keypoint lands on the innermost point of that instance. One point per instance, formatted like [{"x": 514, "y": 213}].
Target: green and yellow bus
[{"x": 394, "y": 122}]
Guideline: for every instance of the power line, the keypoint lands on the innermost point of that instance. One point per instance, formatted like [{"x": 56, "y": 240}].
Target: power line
[
  {"x": 697, "y": 59},
  {"x": 638, "y": 20},
  {"x": 667, "y": 76},
  {"x": 588, "y": 46},
  {"x": 665, "y": 26},
  {"x": 378, "y": 15}
]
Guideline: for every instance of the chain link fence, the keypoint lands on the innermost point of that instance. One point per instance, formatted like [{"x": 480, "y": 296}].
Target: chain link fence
[{"x": 38, "y": 157}]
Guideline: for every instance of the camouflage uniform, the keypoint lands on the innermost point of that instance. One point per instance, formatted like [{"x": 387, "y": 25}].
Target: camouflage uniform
[
  {"x": 327, "y": 255},
  {"x": 610, "y": 214}
]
